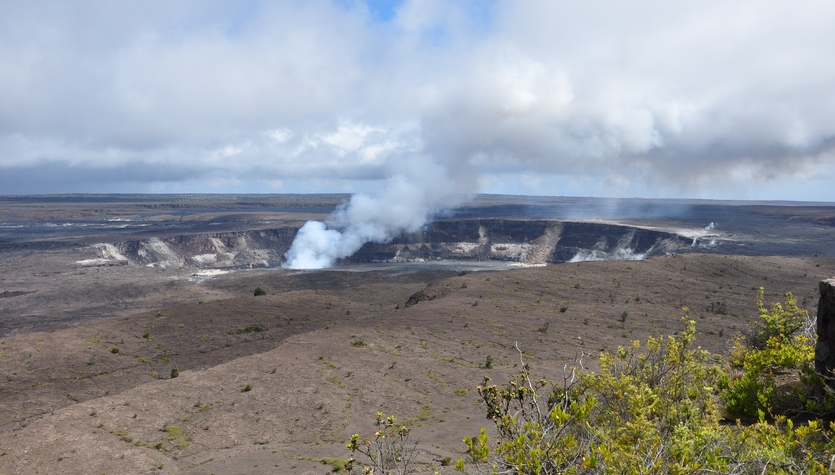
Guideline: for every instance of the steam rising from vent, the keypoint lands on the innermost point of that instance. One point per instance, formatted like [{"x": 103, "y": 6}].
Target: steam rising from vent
[
  {"x": 705, "y": 232},
  {"x": 621, "y": 254},
  {"x": 412, "y": 195}
]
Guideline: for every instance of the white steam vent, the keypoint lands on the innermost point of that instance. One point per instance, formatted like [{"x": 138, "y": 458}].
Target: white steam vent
[
  {"x": 620, "y": 254},
  {"x": 704, "y": 234},
  {"x": 416, "y": 193}
]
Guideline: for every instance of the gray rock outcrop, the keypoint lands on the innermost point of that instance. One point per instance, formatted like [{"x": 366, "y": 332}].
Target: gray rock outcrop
[{"x": 825, "y": 349}]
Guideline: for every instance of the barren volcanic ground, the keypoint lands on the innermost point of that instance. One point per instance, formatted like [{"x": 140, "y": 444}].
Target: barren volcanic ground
[{"x": 91, "y": 332}]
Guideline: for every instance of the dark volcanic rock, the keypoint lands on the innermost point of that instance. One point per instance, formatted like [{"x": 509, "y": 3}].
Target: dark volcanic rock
[
  {"x": 825, "y": 349},
  {"x": 418, "y": 297},
  {"x": 15, "y": 293},
  {"x": 430, "y": 292}
]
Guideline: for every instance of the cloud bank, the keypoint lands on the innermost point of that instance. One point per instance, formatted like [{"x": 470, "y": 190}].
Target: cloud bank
[{"x": 728, "y": 99}]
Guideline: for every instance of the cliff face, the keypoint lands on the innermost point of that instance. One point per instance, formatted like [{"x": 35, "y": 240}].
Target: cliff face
[
  {"x": 825, "y": 349},
  {"x": 528, "y": 242},
  {"x": 261, "y": 248},
  {"x": 532, "y": 242}
]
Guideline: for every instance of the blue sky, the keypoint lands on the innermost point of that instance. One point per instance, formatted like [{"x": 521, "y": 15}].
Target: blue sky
[
  {"x": 383, "y": 10},
  {"x": 713, "y": 99}
]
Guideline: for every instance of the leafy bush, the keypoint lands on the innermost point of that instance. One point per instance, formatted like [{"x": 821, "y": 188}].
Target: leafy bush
[
  {"x": 773, "y": 346},
  {"x": 259, "y": 291},
  {"x": 777, "y": 323}
]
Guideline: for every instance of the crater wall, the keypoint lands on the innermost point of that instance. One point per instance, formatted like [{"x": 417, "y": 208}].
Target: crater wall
[
  {"x": 529, "y": 242},
  {"x": 532, "y": 242}
]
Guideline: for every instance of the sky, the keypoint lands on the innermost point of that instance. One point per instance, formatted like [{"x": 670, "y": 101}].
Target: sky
[{"x": 655, "y": 99}]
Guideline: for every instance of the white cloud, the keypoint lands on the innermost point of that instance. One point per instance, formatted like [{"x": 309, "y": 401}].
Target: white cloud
[
  {"x": 280, "y": 136},
  {"x": 667, "y": 97},
  {"x": 351, "y": 137}
]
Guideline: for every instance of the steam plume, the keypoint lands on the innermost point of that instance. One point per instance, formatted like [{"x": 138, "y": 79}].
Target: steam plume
[{"x": 413, "y": 195}]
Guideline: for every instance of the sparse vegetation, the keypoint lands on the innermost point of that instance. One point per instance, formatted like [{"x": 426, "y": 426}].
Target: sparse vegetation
[
  {"x": 122, "y": 435},
  {"x": 719, "y": 308},
  {"x": 359, "y": 342},
  {"x": 254, "y": 328},
  {"x": 391, "y": 451},
  {"x": 174, "y": 432},
  {"x": 337, "y": 465}
]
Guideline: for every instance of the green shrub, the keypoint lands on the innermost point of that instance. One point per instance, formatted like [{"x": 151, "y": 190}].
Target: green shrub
[
  {"x": 623, "y": 316},
  {"x": 122, "y": 435},
  {"x": 174, "y": 432},
  {"x": 359, "y": 342},
  {"x": 338, "y": 465},
  {"x": 777, "y": 323},
  {"x": 774, "y": 345},
  {"x": 259, "y": 291}
]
